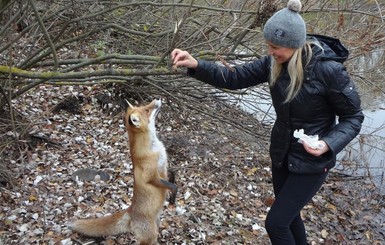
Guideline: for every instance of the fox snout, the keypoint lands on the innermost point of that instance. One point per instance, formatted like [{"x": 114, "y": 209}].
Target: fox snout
[{"x": 158, "y": 103}]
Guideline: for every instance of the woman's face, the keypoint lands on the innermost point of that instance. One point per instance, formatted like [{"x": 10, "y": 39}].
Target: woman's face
[{"x": 280, "y": 54}]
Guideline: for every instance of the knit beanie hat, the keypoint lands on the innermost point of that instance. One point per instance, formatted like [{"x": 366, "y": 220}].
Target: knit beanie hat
[{"x": 286, "y": 28}]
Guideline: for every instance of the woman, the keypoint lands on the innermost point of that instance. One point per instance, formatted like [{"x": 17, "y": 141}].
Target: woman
[{"x": 310, "y": 88}]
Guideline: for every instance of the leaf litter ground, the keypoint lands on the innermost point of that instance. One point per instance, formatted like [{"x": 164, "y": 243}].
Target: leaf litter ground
[{"x": 223, "y": 177}]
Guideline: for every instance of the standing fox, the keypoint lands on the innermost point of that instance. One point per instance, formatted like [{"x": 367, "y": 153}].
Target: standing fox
[{"x": 149, "y": 160}]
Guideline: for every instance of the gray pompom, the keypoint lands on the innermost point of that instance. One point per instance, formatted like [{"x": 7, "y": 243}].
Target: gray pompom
[{"x": 294, "y": 5}]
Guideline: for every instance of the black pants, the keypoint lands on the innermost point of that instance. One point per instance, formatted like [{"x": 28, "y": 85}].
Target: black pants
[{"x": 292, "y": 192}]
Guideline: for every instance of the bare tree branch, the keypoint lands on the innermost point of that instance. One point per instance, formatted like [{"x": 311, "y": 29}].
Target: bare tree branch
[
  {"x": 86, "y": 42},
  {"x": 82, "y": 74}
]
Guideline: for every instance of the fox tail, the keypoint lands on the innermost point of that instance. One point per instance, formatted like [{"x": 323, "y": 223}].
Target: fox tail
[{"x": 113, "y": 224}]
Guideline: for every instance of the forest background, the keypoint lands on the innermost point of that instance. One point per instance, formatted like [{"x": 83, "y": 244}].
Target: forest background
[{"x": 66, "y": 69}]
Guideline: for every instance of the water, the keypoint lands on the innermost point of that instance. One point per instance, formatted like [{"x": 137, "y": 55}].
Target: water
[{"x": 365, "y": 155}]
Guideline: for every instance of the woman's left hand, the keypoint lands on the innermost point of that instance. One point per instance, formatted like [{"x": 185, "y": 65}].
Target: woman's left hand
[{"x": 319, "y": 150}]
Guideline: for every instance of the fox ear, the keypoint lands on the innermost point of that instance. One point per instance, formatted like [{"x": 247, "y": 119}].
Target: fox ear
[
  {"x": 129, "y": 104},
  {"x": 134, "y": 120}
]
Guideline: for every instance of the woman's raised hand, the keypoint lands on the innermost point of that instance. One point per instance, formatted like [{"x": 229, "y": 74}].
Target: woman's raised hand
[{"x": 183, "y": 58}]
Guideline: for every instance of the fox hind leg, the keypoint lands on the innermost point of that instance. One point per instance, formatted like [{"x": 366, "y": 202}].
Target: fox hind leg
[{"x": 146, "y": 234}]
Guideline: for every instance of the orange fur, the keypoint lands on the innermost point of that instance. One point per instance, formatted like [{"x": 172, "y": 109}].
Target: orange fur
[{"x": 149, "y": 160}]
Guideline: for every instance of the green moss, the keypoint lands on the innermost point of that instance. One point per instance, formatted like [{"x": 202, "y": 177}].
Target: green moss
[
  {"x": 12, "y": 70},
  {"x": 23, "y": 73}
]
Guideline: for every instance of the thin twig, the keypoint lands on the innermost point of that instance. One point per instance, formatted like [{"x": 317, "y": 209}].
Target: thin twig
[{"x": 45, "y": 32}]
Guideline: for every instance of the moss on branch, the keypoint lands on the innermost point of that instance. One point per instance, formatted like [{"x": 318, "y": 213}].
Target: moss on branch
[{"x": 7, "y": 70}]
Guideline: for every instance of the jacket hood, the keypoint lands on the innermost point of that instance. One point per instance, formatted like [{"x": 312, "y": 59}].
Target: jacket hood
[{"x": 333, "y": 49}]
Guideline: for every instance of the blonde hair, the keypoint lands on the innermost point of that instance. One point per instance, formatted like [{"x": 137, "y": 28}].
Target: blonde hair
[{"x": 295, "y": 69}]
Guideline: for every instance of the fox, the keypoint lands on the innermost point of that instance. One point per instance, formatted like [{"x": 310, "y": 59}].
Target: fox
[{"x": 151, "y": 183}]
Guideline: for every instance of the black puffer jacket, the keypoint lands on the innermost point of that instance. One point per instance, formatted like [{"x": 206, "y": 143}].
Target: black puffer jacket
[{"x": 327, "y": 94}]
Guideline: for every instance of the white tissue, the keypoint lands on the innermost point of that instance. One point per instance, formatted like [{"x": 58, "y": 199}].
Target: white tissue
[{"x": 311, "y": 140}]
